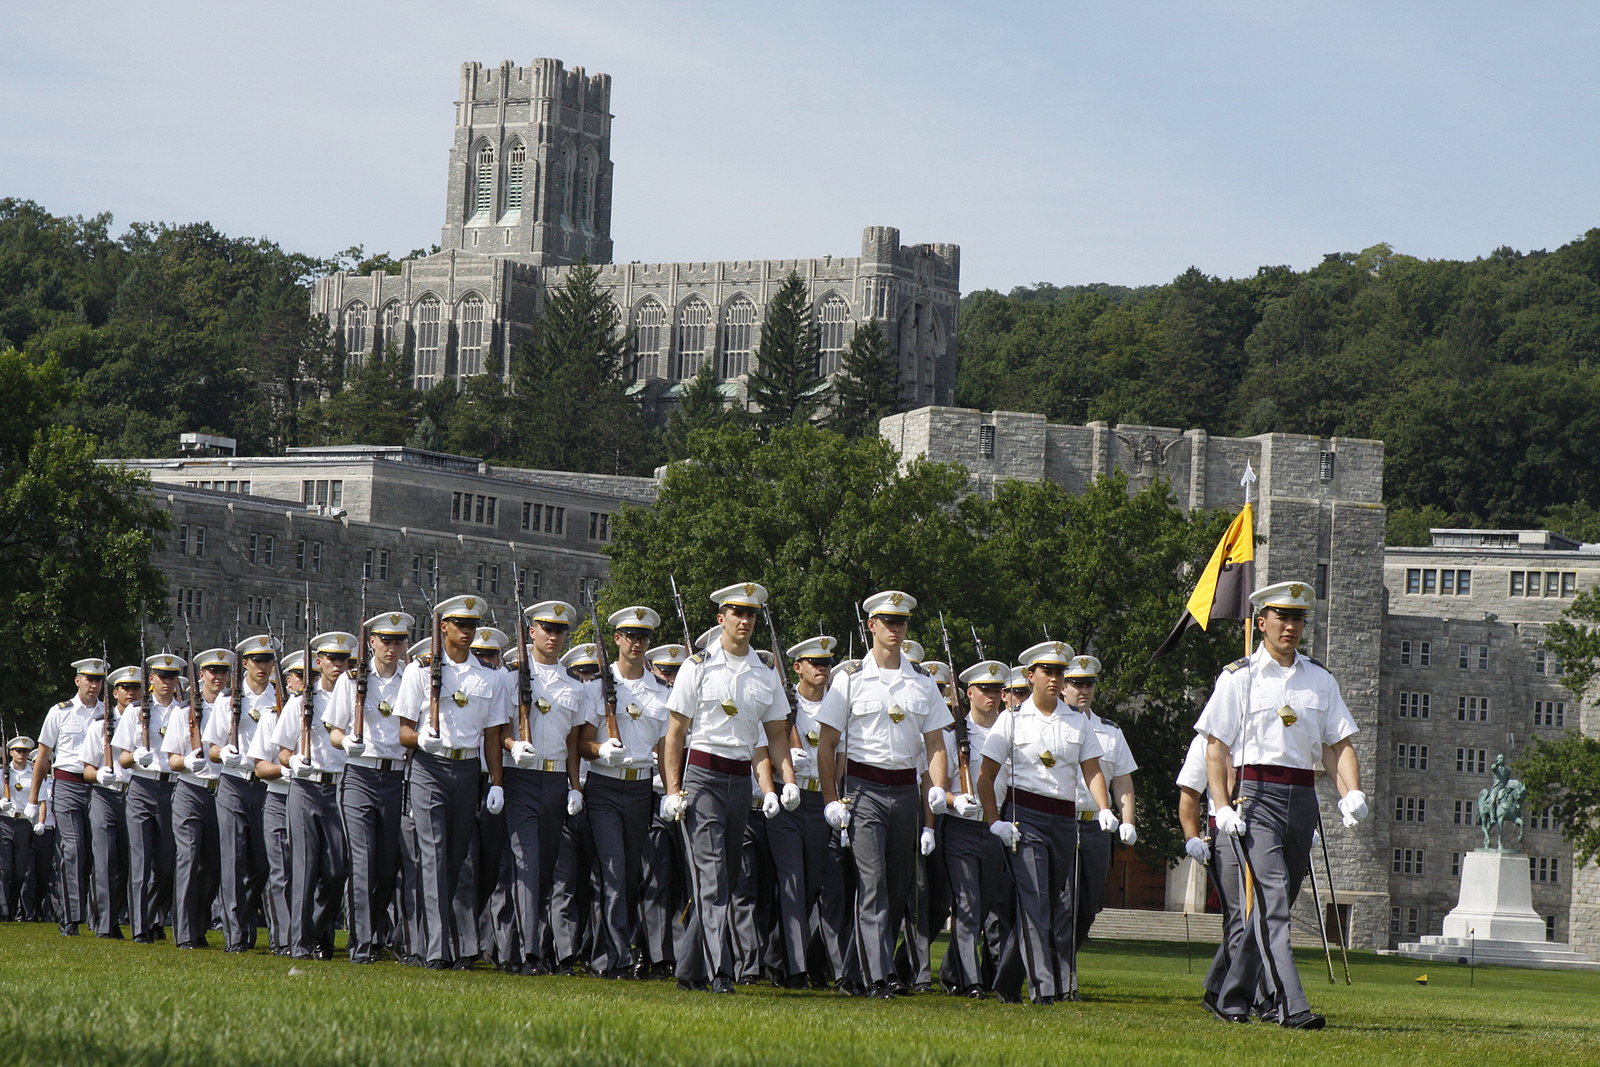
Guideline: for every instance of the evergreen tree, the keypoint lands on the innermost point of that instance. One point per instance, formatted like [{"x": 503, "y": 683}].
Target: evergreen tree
[
  {"x": 868, "y": 385},
  {"x": 785, "y": 385},
  {"x": 702, "y": 408}
]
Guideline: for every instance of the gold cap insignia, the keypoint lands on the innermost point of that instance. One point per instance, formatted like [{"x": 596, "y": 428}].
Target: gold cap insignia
[
  {"x": 749, "y": 588},
  {"x": 1047, "y": 758},
  {"x": 543, "y": 705},
  {"x": 897, "y": 714},
  {"x": 394, "y": 618},
  {"x": 460, "y": 698},
  {"x": 729, "y": 708},
  {"x": 341, "y": 640},
  {"x": 1083, "y": 662},
  {"x": 166, "y": 661},
  {"x": 638, "y": 613},
  {"x": 472, "y": 603},
  {"x": 1296, "y": 589},
  {"x": 634, "y": 711},
  {"x": 896, "y": 599},
  {"x": 1286, "y": 713},
  {"x": 1061, "y": 649},
  {"x": 559, "y": 610},
  {"x": 826, "y": 643}
]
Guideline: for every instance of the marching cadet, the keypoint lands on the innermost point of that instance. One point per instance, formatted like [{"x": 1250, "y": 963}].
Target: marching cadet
[
  {"x": 1117, "y": 764},
  {"x": 980, "y": 889},
  {"x": 374, "y": 780},
  {"x": 318, "y": 860},
  {"x": 574, "y": 882},
  {"x": 275, "y": 805},
  {"x": 888, "y": 713},
  {"x": 241, "y": 795},
  {"x": 662, "y": 894},
  {"x": 59, "y": 758},
  {"x": 617, "y": 794},
  {"x": 1222, "y": 869},
  {"x": 542, "y": 781},
  {"x": 108, "y": 827},
  {"x": 798, "y": 839},
  {"x": 197, "y": 848},
  {"x": 1047, "y": 742},
  {"x": 472, "y": 707},
  {"x": 929, "y": 907},
  {"x": 1271, "y": 715},
  {"x": 1018, "y": 690},
  {"x": 725, "y": 698},
  {"x": 151, "y": 848},
  {"x": 16, "y": 834}
]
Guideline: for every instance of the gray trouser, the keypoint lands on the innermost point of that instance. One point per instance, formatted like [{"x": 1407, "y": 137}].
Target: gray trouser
[
  {"x": 16, "y": 859},
  {"x": 196, "y": 861},
  {"x": 73, "y": 857},
  {"x": 535, "y": 807},
  {"x": 884, "y": 824},
  {"x": 444, "y": 806},
  {"x": 108, "y": 830},
  {"x": 492, "y": 896},
  {"x": 572, "y": 890},
  {"x": 1224, "y": 871},
  {"x": 619, "y": 819},
  {"x": 244, "y": 858},
  {"x": 980, "y": 897},
  {"x": 275, "y": 832},
  {"x": 754, "y": 900},
  {"x": 319, "y": 864},
  {"x": 836, "y": 908},
  {"x": 1094, "y": 867},
  {"x": 1279, "y": 822},
  {"x": 713, "y": 828},
  {"x": 150, "y": 854},
  {"x": 1041, "y": 947},
  {"x": 798, "y": 841},
  {"x": 370, "y": 802},
  {"x": 663, "y": 894}
]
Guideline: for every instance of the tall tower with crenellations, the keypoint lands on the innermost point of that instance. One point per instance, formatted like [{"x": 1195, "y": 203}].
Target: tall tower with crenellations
[{"x": 530, "y": 169}]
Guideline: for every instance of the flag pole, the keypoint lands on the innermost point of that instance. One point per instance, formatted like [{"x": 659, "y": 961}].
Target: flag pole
[{"x": 1248, "y": 480}]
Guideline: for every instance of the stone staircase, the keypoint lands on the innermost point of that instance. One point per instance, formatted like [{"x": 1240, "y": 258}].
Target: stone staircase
[
  {"x": 1123, "y": 924},
  {"x": 1538, "y": 955}
]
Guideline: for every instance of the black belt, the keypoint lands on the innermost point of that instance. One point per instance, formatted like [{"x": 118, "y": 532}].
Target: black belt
[
  {"x": 1262, "y": 772},
  {"x": 721, "y": 764},
  {"x": 880, "y": 775}
]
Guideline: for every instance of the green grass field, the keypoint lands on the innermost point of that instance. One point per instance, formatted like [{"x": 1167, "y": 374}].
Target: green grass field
[{"x": 84, "y": 1001}]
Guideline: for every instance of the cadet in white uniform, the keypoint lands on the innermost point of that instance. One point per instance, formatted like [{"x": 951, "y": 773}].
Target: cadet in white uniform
[
  {"x": 16, "y": 833},
  {"x": 1047, "y": 742},
  {"x": 1117, "y": 764},
  {"x": 275, "y": 804},
  {"x": 727, "y": 698},
  {"x": 240, "y": 794},
  {"x": 59, "y": 758},
  {"x": 197, "y": 848},
  {"x": 662, "y": 871},
  {"x": 151, "y": 848},
  {"x": 1271, "y": 716},
  {"x": 889, "y": 714},
  {"x": 108, "y": 826}
]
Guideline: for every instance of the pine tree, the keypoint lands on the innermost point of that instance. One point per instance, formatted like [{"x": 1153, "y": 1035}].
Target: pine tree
[
  {"x": 785, "y": 385},
  {"x": 868, "y": 385},
  {"x": 702, "y": 408}
]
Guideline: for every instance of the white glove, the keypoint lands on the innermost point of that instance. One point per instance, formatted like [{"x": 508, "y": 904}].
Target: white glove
[
  {"x": 1229, "y": 821},
  {"x": 1108, "y": 819},
  {"x": 612, "y": 754},
  {"x": 770, "y": 805},
  {"x": 31, "y": 811},
  {"x": 194, "y": 761},
  {"x": 1353, "y": 806},
  {"x": 673, "y": 806},
  {"x": 105, "y": 777},
  {"x": 299, "y": 766},
  {"x": 38, "y": 829},
  {"x": 966, "y": 806},
  {"x": 232, "y": 757},
  {"x": 1007, "y": 832},
  {"x": 926, "y": 841},
  {"x": 124, "y": 774},
  {"x": 353, "y": 747},
  {"x": 7, "y": 808},
  {"x": 937, "y": 800},
  {"x": 145, "y": 758},
  {"x": 574, "y": 801},
  {"x": 1198, "y": 850},
  {"x": 495, "y": 801},
  {"x": 804, "y": 765},
  {"x": 1128, "y": 834},
  {"x": 524, "y": 755},
  {"x": 430, "y": 742},
  {"x": 836, "y": 815},
  {"x": 790, "y": 797}
]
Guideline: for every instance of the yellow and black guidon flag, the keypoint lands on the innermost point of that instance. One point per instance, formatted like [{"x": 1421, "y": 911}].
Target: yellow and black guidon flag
[{"x": 1223, "y": 591}]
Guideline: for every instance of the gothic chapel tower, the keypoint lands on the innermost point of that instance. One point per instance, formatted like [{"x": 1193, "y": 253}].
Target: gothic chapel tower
[{"x": 530, "y": 169}]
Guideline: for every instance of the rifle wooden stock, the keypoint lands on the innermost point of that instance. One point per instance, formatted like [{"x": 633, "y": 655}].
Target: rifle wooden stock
[
  {"x": 608, "y": 684},
  {"x": 308, "y": 692},
  {"x": 435, "y": 671},
  {"x": 959, "y": 717},
  {"x": 791, "y": 721},
  {"x": 362, "y": 668}
]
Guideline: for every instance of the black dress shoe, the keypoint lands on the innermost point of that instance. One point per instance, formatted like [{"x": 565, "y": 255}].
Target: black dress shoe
[
  {"x": 69, "y": 929},
  {"x": 1209, "y": 1002},
  {"x": 1071, "y": 996},
  {"x": 1008, "y": 998},
  {"x": 1233, "y": 1017},
  {"x": 660, "y": 972},
  {"x": 922, "y": 987},
  {"x": 1305, "y": 1020},
  {"x": 437, "y": 965},
  {"x": 897, "y": 987},
  {"x": 144, "y": 939},
  {"x": 973, "y": 992},
  {"x": 720, "y": 984},
  {"x": 616, "y": 973},
  {"x": 881, "y": 991}
]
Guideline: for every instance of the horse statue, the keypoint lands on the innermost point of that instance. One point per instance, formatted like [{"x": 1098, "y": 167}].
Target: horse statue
[{"x": 1501, "y": 803}]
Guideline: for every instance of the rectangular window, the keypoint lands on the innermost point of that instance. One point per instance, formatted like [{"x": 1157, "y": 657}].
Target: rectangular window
[
  {"x": 366, "y": 564},
  {"x": 200, "y": 541},
  {"x": 1408, "y": 861},
  {"x": 1544, "y": 869},
  {"x": 1483, "y": 657},
  {"x": 1472, "y": 760},
  {"x": 480, "y": 577},
  {"x": 183, "y": 539},
  {"x": 308, "y": 492},
  {"x": 599, "y": 526},
  {"x": 588, "y": 589},
  {"x": 1425, "y": 655},
  {"x": 300, "y": 555},
  {"x": 1549, "y": 713},
  {"x": 1552, "y": 583},
  {"x": 1463, "y": 583},
  {"x": 530, "y": 516},
  {"x": 1569, "y": 583},
  {"x": 1463, "y": 816},
  {"x": 488, "y": 513},
  {"x": 561, "y": 521},
  {"x": 1322, "y": 581},
  {"x": 1516, "y": 583},
  {"x": 1549, "y": 927},
  {"x": 1465, "y": 656},
  {"x": 1447, "y": 583},
  {"x": 266, "y": 551},
  {"x": 530, "y": 585},
  {"x": 416, "y": 570},
  {"x": 455, "y": 507},
  {"x": 383, "y": 566},
  {"x": 1455, "y": 865},
  {"x": 316, "y": 557},
  {"x": 1415, "y": 705},
  {"x": 477, "y": 514},
  {"x": 1411, "y": 757},
  {"x": 336, "y": 493},
  {"x": 1325, "y": 467},
  {"x": 1472, "y": 709},
  {"x": 1405, "y": 653},
  {"x": 494, "y": 578},
  {"x": 254, "y": 540},
  {"x": 1413, "y": 580},
  {"x": 1430, "y": 581},
  {"x": 1410, "y": 809}
]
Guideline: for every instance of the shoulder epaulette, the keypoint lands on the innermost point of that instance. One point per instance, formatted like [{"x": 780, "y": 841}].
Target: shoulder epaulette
[
  {"x": 851, "y": 668},
  {"x": 766, "y": 657},
  {"x": 1236, "y": 664},
  {"x": 1314, "y": 660},
  {"x": 64, "y": 705},
  {"x": 698, "y": 657},
  {"x": 920, "y": 669}
]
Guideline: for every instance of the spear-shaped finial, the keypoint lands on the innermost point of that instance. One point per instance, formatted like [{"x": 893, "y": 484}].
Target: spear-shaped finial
[{"x": 1248, "y": 480}]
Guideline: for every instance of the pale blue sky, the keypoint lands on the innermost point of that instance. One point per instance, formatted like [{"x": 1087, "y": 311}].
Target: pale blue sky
[{"x": 1064, "y": 142}]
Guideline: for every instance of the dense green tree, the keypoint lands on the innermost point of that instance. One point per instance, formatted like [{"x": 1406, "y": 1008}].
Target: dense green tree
[
  {"x": 376, "y": 405},
  {"x": 1564, "y": 772},
  {"x": 786, "y": 386},
  {"x": 702, "y": 407},
  {"x": 867, "y": 387}
]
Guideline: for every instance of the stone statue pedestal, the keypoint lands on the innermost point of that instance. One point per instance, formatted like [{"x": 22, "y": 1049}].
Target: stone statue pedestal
[{"x": 1496, "y": 901}]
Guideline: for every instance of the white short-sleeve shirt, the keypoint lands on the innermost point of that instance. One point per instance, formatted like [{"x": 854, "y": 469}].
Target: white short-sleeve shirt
[
  {"x": 380, "y": 722},
  {"x": 888, "y": 710},
  {"x": 728, "y": 699},
  {"x": 1046, "y": 751},
  {"x": 1247, "y": 712}
]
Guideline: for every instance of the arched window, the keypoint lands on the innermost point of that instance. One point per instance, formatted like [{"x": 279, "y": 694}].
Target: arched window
[
  {"x": 649, "y": 325},
  {"x": 693, "y": 318},
  {"x": 484, "y": 199},
  {"x": 428, "y": 319},
  {"x": 356, "y": 337},
  {"x": 832, "y": 318},
  {"x": 564, "y": 190},
  {"x": 394, "y": 328},
  {"x": 586, "y": 190},
  {"x": 738, "y": 329},
  {"x": 470, "y": 324},
  {"x": 516, "y": 166}
]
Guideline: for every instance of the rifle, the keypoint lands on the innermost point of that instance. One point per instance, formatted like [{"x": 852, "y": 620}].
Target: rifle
[
  {"x": 861, "y": 628},
  {"x": 963, "y": 742},
  {"x": 608, "y": 684},
  {"x": 524, "y": 677},
  {"x": 977, "y": 643},
  {"x": 791, "y": 720},
  {"x": 144, "y": 676},
  {"x": 683, "y": 616},
  {"x": 308, "y": 692},
  {"x": 233, "y": 687},
  {"x": 108, "y": 701},
  {"x": 361, "y": 665},
  {"x": 194, "y": 687},
  {"x": 435, "y": 665}
]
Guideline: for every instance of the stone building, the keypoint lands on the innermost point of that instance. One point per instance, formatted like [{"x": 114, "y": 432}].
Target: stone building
[
  {"x": 249, "y": 534},
  {"x": 528, "y": 195}
]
